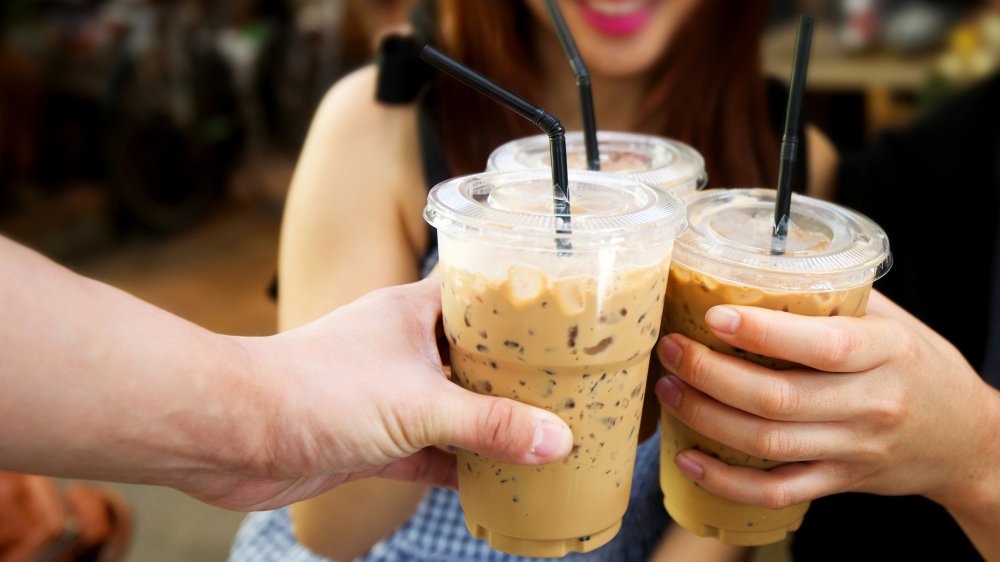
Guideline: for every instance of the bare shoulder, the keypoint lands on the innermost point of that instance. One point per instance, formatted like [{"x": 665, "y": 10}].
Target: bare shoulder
[
  {"x": 823, "y": 159},
  {"x": 360, "y": 157},
  {"x": 351, "y": 105},
  {"x": 352, "y": 220},
  {"x": 356, "y": 133}
]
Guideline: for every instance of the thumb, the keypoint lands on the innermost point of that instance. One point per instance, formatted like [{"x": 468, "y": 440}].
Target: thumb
[{"x": 498, "y": 428}]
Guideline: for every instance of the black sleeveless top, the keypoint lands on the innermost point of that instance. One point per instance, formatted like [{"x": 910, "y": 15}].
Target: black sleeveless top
[{"x": 935, "y": 189}]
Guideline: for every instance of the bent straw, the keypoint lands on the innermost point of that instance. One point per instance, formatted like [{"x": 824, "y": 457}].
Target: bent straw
[
  {"x": 582, "y": 83},
  {"x": 543, "y": 119},
  {"x": 790, "y": 138}
]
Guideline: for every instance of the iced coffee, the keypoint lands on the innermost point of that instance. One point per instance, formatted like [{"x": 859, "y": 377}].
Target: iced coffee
[
  {"x": 832, "y": 258},
  {"x": 657, "y": 161},
  {"x": 569, "y": 330}
]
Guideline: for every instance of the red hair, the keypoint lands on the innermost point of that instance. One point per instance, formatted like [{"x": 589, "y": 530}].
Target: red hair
[{"x": 709, "y": 90}]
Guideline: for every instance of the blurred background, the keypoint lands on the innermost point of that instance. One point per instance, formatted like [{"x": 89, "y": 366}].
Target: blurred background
[{"x": 149, "y": 143}]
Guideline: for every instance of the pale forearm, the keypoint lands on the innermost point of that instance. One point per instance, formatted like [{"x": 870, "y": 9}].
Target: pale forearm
[{"x": 98, "y": 384}]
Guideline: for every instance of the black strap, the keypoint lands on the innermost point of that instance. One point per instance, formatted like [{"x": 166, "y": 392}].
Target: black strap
[
  {"x": 401, "y": 73},
  {"x": 403, "y": 79}
]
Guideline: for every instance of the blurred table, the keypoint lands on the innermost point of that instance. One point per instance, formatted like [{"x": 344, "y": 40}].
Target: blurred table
[{"x": 878, "y": 76}]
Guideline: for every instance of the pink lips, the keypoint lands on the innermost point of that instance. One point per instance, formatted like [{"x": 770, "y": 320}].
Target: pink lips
[{"x": 624, "y": 24}]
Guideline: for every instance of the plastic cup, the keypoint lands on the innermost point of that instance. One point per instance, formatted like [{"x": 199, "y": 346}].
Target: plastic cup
[
  {"x": 660, "y": 162},
  {"x": 833, "y": 256},
  {"x": 569, "y": 331}
]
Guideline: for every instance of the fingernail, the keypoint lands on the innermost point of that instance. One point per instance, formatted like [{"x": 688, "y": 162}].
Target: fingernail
[
  {"x": 550, "y": 439},
  {"x": 690, "y": 468},
  {"x": 670, "y": 353},
  {"x": 668, "y": 391},
  {"x": 722, "y": 319}
]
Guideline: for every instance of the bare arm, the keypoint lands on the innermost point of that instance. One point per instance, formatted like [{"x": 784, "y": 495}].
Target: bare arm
[
  {"x": 100, "y": 385},
  {"x": 823, "y": 159},
  {"x": 80, "y": 400},
  {"x": 352, "y": 220},
  {"x": 352, "y": 224}
]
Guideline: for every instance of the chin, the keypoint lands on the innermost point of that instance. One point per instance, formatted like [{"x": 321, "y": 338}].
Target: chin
[
  {"x": 620, "y": 38},
  {"x": 617, "y": 62}
]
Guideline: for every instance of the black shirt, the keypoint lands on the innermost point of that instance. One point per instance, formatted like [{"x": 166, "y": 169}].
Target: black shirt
[{"x": 935, "y": 188}]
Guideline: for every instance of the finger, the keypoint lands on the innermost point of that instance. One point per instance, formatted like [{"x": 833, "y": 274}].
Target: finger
[
  {"x": 762, "y": 438},
  {"x": 881, "y": 305},
  {"x": 427, "y": 294},
  {"x": 776, "y": 488},
  {"x": 840, "y": 344},
  {"x": 498, "y": 428},
  {"x": 420, "y": 303},
  {"x": 431, "y": 466},
  {"x": 793, "y": 395}
]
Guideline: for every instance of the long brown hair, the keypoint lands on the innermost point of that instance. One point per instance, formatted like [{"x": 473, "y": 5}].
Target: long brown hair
[{"x": 709, "y": 89}]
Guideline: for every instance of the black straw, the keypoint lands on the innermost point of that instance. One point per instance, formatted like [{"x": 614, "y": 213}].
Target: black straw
[
  {"x": 545, "y": 121},
  {"x": 582, "y": 83},
  {"x": 790, "y": 139}
]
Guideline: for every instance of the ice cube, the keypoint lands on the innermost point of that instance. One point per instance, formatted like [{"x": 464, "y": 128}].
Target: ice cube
[
  {"x": 743, "y": 295},
  {"x": 571, "y": 295},
  {"x": 524, "y": 284}
]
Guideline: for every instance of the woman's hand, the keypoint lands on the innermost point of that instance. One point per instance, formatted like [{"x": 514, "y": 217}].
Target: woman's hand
[{"x": 882, "y": 405}]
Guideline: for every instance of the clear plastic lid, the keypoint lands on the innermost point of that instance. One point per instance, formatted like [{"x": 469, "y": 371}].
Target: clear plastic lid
[
  {"x": 516, "y": 209},
  {"x": 829, "y": 247},
  {"x": 658, "y": 161}
]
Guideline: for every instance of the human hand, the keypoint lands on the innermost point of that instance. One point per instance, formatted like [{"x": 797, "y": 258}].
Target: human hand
[
  {"x": 361, "y": 392},
  {"x": 882, "y": 404}
]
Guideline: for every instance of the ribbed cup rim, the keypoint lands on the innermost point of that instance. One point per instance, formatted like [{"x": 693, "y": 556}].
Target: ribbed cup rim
[
  {"x": 855, "y": 250},
  {"x": 514, "y": 208},
  {"x": 671, "y": 162}
]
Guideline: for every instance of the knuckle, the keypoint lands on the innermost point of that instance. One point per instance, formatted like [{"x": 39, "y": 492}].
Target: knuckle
[
  {"x": 698, "y": 368},
  {"x": 694, "y": 414},
  {"x": 890, "y": 410},
  {"x": 761, "y": 336},
  {"x": 496, "y": 426},
  {"x": 907, "y": 346},
  {"x": 778, "y": 496},
  {"x": 779, "y": 400},
  {"x": 727, "y": 488},
  {"x": 772, "y": 442},
  {"x": 837, "y": 349}
]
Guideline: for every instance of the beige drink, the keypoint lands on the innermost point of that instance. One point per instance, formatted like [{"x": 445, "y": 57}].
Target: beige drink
[
  {"x": 657, "y": 161},
  {"x": 833, "y": 257},
  {"x": 690, "y": 294},
  {"x": 569, "y": 331}
]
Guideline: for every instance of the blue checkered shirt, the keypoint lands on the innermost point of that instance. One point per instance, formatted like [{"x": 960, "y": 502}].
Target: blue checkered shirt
[{"x": 436, "y": 532}]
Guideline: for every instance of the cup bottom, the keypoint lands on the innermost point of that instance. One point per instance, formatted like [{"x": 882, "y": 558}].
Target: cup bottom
[
  {"x": 732, "y": 536},
  {"x": 543, "y": 548}
]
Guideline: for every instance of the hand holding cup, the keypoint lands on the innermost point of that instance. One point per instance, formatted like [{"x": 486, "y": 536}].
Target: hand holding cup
[{"x": 881, "y": 404}]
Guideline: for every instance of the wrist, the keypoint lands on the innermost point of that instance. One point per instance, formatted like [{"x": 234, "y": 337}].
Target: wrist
[
  {"x": 976, "y": 490},
  {"x": 224, "y": 427}
]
